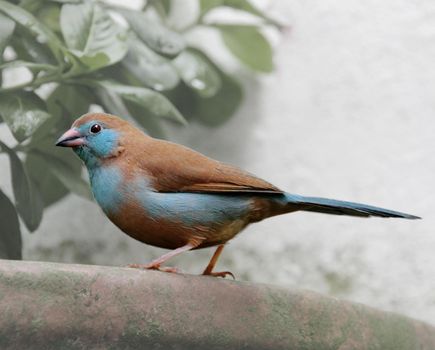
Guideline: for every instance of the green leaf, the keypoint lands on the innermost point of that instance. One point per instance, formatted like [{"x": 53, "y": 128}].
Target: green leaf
[
  {"x": 71, "y": 181},
  {"x": 46, "y": 133},
  {"x": 27, "y": 198},
  {"x": 119, "y": 73},
  {"x": 65, "y": 104},
  {"x": 207, "y": 5},
  {"x": 148, "y": 67},
  {"x": 92, "y": 36},
  {"x": 68, "y": 1},
  {"x": 152, "y": 125},
  {"x": 166, "y": 5},
  {"x": 28, "y": 21},
  {"x": 218, "y": 109},
  {"x": 31, "y": 6},
  {"x": 10, "y": 234},
  {"x": 31, "y": 65},
  {"x": 49, "y": 14},
  {"x": 156, "y": 104},
  {"x": 28, "y": 49},
  {"x": 154, "y": 34},
  {"x": 214, "y": 110},
  {"x": 112, "y": 102},
  {"x": 75, "y": 100},
  {"x": 24, "y": 112},
  {"x": 249, "y": 46},
  {"x": 7, "y": 27},
  {"x": 162, "y": 7},
  {"x": 66, "y": 169},
  {"x": 49, "y": 186},
  {"x": 62, "y": 169},
  {"x": 242, "y": 5},
  {"x": 197, "y": 73}
]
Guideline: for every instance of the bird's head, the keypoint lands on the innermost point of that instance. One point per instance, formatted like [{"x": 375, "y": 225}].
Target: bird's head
[{"x": 95, "y": 137}]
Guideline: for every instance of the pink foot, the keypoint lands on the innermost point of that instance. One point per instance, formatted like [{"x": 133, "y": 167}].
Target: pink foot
[
  {"x": 222, "y": 274},
  {"x": 154, "y": 267}
]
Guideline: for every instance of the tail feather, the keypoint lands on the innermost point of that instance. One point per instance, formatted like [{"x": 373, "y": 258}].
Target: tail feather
[{"x": 332, "y": 206}]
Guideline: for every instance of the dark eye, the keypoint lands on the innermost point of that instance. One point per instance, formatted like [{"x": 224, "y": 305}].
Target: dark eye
[{"x": 95, "y": 129}]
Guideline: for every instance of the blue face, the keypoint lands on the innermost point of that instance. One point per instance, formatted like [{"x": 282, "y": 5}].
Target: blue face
[{"x": 99, "y": 142}]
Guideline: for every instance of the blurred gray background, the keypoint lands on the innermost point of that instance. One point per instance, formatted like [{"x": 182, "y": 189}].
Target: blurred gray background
[{"x": 347, "y": 114}]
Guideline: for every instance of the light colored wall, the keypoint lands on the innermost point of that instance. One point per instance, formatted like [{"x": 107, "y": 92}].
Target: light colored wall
[{"x": 348, "y": 114}]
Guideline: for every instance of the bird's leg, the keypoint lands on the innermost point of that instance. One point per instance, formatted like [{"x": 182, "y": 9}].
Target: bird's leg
[
  {"x": 209, "y": 269},
  {"x": 156, "y": 263}
]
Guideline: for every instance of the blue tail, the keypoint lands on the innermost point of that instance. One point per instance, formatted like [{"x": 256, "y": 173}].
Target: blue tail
[{"x": 332, "y": 206}]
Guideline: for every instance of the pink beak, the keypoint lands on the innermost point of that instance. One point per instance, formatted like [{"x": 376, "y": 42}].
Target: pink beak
[{"x": 71, "y": 138}]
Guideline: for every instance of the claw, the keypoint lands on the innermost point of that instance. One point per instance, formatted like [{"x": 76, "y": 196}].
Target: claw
[
  {"x": 222, "y": 274},
  {"x": 169, "y": 269},
  {"x": 135, "y": 266},
  {"x": 154, "y": 267}
]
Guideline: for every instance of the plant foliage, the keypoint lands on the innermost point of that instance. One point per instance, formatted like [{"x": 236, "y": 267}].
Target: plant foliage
[{"x": 82, "y": 53}]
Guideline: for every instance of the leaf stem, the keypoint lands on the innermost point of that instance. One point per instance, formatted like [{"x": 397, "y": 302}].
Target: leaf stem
[{"x": 33, "y": 84}]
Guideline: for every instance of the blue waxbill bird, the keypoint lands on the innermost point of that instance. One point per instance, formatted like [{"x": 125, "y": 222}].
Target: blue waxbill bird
[{"x": 170, "y": 196}]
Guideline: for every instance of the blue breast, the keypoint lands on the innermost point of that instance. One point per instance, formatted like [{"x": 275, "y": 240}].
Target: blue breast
[{"x": 106, "y": 184}]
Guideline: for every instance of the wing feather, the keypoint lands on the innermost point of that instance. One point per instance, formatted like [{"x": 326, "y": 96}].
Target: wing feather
[{"x": 175, "y": 168}]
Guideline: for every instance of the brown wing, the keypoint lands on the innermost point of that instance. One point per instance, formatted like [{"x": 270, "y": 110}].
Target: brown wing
[{"x": 175, "y": 168}]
